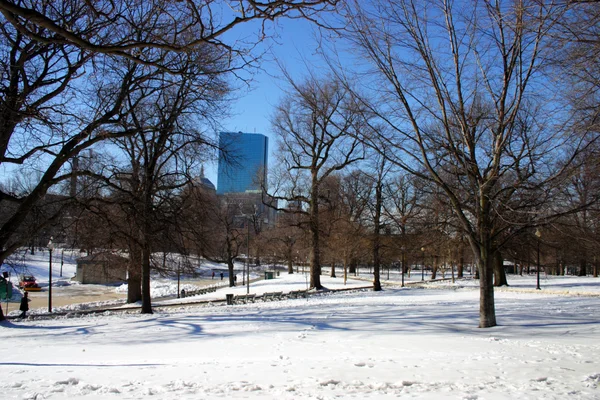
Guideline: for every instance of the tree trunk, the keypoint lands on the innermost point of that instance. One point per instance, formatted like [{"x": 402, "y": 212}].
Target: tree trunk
[
  {"x": 499, "y": 272},
  {"x": 582, "y": 267},
  {"x": 376, "y": 238},
  {"x": 352, "y": 268},
  {"x": 487, "y": 311},
  {"x": 290, "y": 264},
  {"x": 146, "y": 299},
  {"x": 434, "y": 268},
  {"x": 332, "y": 275},
  {"x": 145, "y": 235},
  {"x": 231, "y": 272},
  {"x": 315, "y": 251},
  {"x": 461, "y": 268},
  {"x": 134, "y": 279}
]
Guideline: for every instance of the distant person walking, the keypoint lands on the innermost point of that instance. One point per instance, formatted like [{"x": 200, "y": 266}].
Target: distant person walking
[
  {"x": 213, "y": 275},
  {"x": 221, "y": 276},
  {"x": 24, "y": 305}
]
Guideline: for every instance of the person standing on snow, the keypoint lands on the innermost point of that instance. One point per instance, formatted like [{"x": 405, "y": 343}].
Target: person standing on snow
[{"x": 24, "y": 305}]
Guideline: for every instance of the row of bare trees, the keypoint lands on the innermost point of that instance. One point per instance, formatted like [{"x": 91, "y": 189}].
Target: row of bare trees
[
  {"x": 463, "y": 96},
  {"x": 77, "y": 75},
  {"x": 476, "y": 119}
]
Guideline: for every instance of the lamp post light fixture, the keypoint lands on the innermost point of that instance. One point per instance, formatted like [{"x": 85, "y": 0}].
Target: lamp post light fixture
[
  {"x": 538, "y": 234},
  {"x": 50, "y": 247},
  {"x": 423, "y": 266}
]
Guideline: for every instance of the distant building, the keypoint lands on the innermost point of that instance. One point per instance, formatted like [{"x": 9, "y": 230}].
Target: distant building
[
  {"x": 243, "y": 159},
  {"x": 102, "y": 269},
  {"x": 250, "y": 205},
  {"x": 204, "y": 182}
]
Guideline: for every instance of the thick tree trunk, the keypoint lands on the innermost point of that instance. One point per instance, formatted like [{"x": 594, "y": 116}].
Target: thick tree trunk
[
  {"x": 332, "y": 274},
  {"x": 482, "y": 251},
  {"x": 487, "y": 311},
  {"x": 134, "y": 280},
  {"x": 499, "y": 272},
  {"x": 352, "y": 267},
  {"x": 376, "y": 238},
  {"x": 145, "y": 235},
  {"x": 582, "y": 267},
  {"x": 290, "y": 264},
  {"x": 315, "y": 253},
  {"x": 231, "y": 271},
  {"x": 461, "y": 268},
  {"x": 146, "y": 298},
  {"x": 434, "y": 268}
]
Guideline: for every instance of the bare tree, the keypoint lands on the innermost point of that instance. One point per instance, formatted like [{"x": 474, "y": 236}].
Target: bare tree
[
  {"x": 457, "y": 85},
  {"x": 61, "y": 92},
  {"x": 317, "y": 124}
]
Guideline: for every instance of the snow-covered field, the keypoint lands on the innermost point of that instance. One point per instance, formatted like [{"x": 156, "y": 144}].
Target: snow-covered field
[{"x": 399, "y": 343}]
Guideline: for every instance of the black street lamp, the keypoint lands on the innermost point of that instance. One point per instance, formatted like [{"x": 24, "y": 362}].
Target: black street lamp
[
  {"x": 539, "y": 235},
  {"x": 423, "y": 266},
  {"x": 50, "y": 247}
]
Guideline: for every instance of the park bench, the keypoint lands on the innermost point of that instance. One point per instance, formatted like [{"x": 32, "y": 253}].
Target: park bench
[
  {"x": 244, "y": 298},
  {"x": 270, "y": 296},
  {"x": 296, "y": 294},
  {"x": 205, "y": 290}
]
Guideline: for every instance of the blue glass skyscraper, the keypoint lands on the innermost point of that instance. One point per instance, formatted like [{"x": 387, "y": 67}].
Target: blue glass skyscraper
[{"x": 243, "y": 161}]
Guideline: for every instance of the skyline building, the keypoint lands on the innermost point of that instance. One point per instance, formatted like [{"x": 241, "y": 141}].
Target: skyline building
[{"x": 243, "y": 160}]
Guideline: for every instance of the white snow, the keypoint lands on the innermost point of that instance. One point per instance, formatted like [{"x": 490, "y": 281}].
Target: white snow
[{"x": 399, "y": 343}]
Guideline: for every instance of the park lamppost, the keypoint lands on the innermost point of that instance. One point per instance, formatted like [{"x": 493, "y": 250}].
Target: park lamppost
[
  {"x": 538, "y": 233},
  {"x": 50, "y": 247},
  {"x": 423, "y": 266}
]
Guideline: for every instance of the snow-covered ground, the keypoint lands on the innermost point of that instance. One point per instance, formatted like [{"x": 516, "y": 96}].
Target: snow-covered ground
[{"x": 403, "y": 342}]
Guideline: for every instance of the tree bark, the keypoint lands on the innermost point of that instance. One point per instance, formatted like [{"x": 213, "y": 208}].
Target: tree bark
[
  {"x": 461, "y": 268},
  {"x": 231, "y": 271},
  {"x": 315, "y": 251},
  {"x": 499, "y": 272},
  {"x": 352, "y": 267},
  {"x": 290, "y": 264},
  {"x": 376, "y": 237},
  {"x": 134, "y": 280},
  {"x": 582, "y": 267},
  {"x": 487, "y": 311}
]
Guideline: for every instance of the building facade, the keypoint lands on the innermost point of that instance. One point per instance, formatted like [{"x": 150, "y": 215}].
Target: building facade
[{"x": 243, "y": 159}]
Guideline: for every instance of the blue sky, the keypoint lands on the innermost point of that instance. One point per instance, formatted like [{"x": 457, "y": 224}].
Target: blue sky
[{"x": 295, "y": 47}]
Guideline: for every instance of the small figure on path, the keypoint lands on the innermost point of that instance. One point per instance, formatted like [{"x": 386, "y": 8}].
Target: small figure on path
[
  {"x": 235, "y": 279},
  {"x": 24, "y": 305},
  {"x": 213, "y": 275},
  {"x": 221, "y": 276}
]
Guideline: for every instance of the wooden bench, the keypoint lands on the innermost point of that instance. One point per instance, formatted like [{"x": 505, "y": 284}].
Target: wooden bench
[
  {"x": 244, "y": 298},
  {"x": 296, "y": 294},
  {"x": 205, "y": 290},
  {"x": 270, "y": 296}
]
